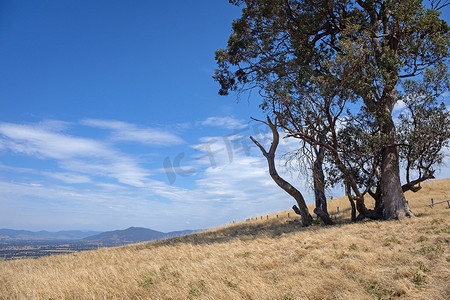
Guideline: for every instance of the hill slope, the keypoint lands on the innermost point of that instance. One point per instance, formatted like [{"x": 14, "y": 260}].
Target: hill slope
[{"x": 264, "y": 259}]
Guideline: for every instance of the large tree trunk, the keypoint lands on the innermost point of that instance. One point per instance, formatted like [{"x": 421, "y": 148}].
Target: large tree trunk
[
  {"x": 319, "y": 187},
  {"x": 393, "y": 200},
  {"x": 392, "y": 197},
  {"x": 270, "y": 156}
]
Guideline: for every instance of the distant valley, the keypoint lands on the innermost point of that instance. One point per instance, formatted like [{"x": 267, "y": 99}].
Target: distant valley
[
  {"x": 16, "y": 244},
  {"x": 25, "y": 235}
]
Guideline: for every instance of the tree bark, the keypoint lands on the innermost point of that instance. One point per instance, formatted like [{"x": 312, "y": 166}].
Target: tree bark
[
  {"x": 319, "y": 187},
  {"x": 378, "y": 201},
  {"x": 352, "y": 203},
  {"x": 411, "y": 186},
  {"x": 286, "y": 186},
  {"x": 393, "y": 200},
  {"x": 392, "y": 197}
]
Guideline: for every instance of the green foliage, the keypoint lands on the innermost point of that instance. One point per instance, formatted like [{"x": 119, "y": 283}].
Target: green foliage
[
  {"x": 145, "y": 282},
  {"x": 275, "y": 39},
  {"x": 436, "y": 221},
  {"x": 424, "y": 127},
  {"x": 419, "y": 279},
  {"x": 230, "y": 283},
  {"x": 195, "y": 290},
  {"x": 372, "y": 286},
  {"x": 423, "y": 268},
  {"x": 287, "y": 296},
  {"x": 432, "y": 250},
  {"x": 153, "y": 276},
  {"x": 391, "y": 240},
  {"x": 353, "y": 247},
  {"x": 422, "y": 239}
]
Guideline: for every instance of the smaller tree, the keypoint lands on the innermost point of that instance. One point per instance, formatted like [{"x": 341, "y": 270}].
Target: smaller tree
[
  {"x": 289, "y": 188},
  {"x": 308, "y": 160},
  {"x": 424, "y": 127},
  {"x": 321, "y": 209}
]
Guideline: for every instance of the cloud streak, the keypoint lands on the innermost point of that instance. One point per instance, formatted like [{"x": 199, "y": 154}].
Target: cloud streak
[
  {"x": 224, "y": 122},
  {"x": 85, "y": 157},
  {"x": 34, "y": 141},
  {"x": 122, "y": 131}
]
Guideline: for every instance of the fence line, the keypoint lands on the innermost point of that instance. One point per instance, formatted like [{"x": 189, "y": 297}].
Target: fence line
[
  {"x": 338, "y": 211},
  {"x": 276, "y": 217},
  {"x": 433, "y": 204}
]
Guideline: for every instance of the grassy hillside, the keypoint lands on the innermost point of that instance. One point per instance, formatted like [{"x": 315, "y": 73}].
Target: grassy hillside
[{"x": 264, "y": 259}]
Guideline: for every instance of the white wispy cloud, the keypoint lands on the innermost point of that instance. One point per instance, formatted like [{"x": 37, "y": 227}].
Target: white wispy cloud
[
  {"x": 68, "y": 177},
  {"x": 224, "y": 122},
  {"x": 119, "y": 167},
  {"x": 35, "y": 141},
  {"x": 83, "y": 156},
  {"x": 54, "y": 125},
  {"x": 122, "y": 131},
  {"x": 16, "y": 169}
]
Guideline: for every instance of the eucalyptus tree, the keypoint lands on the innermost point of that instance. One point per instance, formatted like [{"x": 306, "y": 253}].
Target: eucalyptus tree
[
  {"x": 424, "y": 126},
  {"x": 316, "y": 62}
]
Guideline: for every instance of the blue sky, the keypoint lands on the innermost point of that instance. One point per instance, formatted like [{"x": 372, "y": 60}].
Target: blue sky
[{"x": 110, "y": 119}]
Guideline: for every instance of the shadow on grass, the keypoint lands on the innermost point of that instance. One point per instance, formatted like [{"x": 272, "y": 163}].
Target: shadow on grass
[
  {"x": 250, "y": 230},
  {"x": 244, "y": 231}
]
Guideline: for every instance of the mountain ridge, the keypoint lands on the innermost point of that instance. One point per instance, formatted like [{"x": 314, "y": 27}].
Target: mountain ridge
[
  {"x": 134, "y": 235},
  {"x": 129, "y": 235},
  {"x": 42, "y": 235}
]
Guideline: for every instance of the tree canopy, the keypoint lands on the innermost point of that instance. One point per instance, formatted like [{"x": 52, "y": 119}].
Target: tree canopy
[{"x": 331, "y": 73}]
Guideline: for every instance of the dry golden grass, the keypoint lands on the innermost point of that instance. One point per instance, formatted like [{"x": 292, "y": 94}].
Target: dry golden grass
[{"x": 274, "y": 259}]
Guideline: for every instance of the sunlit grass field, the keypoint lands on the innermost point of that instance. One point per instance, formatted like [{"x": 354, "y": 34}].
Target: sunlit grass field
[{"x": 263, "y": 259}]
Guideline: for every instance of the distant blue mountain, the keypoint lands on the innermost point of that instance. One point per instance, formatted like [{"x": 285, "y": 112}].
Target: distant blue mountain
[
  {"x": 11, "y": 234},
  {"x": 126, "y": 236},
  {"x": 133, "y": 235}
]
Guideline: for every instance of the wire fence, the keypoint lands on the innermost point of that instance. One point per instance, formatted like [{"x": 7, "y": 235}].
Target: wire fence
[
  {"x": 336, "y": 213},
  {"x": 433, "y": 203},
  {"x": 279, "y": 216}
]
